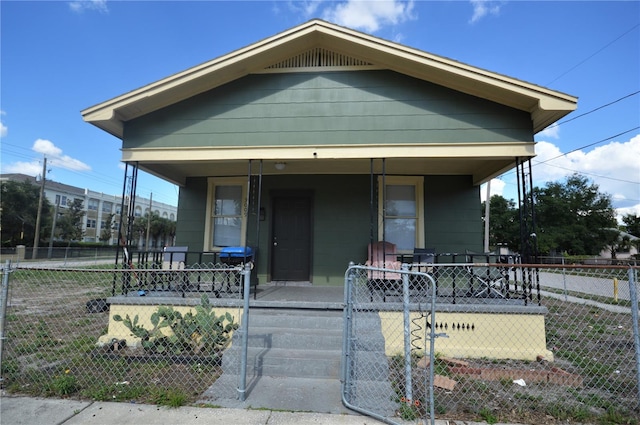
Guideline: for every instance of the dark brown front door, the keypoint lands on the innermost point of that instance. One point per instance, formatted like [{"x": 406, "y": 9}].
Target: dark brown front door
[{"x": 291, "y": 238}]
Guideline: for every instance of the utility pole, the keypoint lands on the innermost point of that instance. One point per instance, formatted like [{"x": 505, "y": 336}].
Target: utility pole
[
  {"x": 53, "y": 227},
  {"x": 486, "y": 217},
  {"x": 36, "y": 238}
]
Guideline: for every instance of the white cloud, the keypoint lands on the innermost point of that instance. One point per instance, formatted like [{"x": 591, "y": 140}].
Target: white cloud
[
  {"x": 368, "y": 16},
  {"x": 552, "y": 132},
  {"x": 482, "y": 8},
  {"x": 33, "y": 168},
  {"x": 56, "y": 158},
  {"x": 614, "y": 167},
  {"x": 497, "y": 188},
  {"x": 633, "y": 210},
  {"x": 3, "y": 128},
  {"x": 79, "y": 6}
]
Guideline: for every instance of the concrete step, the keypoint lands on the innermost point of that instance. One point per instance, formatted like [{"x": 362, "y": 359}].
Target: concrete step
[
  {"x": 300, "y": 363},
  {"x": 292, "y": 319},
  {"x": 290, "y": 343},
  {"x": 296, "y": 338},
  {"x": 287, "y": 362}
]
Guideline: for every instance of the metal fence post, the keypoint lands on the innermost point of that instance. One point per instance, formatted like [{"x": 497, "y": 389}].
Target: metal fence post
[
  {"x": 407, "y": 333},
  {"x": 346, "y": 333},
  {"x": 242, "y": 389},
  {"x": 3, "y": 306},
  {"x": 564, "y": 280},
  {"x": 633, "y": 295}
]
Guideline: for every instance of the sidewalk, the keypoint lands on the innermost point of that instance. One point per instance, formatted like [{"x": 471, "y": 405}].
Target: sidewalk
[{"x": 48, "y": 411}]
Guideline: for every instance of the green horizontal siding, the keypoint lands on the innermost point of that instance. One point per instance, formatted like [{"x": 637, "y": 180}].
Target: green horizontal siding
[
  {"x": 192, "y": 205},
  {"x": 328, "y": 108},
  {"x": 453, "y": 216}
]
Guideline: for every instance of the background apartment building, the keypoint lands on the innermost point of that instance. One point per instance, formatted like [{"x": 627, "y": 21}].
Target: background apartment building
[{"x": 97, "y": 206}]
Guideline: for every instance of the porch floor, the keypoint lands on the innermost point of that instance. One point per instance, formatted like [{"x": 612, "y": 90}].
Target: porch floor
[{"x": 297, "y": 296}]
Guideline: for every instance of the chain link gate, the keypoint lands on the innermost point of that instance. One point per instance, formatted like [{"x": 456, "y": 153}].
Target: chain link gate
[
  {"x": 388, "y": 346},
  {"x": 524, "y": 343}
]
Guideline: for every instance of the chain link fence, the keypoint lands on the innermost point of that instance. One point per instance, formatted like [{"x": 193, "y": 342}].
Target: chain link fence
[
  {"x": 146, "y": 335},
  {"x": 511, "y": 342}
]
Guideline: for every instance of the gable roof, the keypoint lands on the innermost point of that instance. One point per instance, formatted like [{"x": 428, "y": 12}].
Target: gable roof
[{"x": 353, "y": 49}]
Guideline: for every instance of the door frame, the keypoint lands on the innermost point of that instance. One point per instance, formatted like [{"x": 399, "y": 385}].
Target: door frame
[{"x": 290, "y": 193}]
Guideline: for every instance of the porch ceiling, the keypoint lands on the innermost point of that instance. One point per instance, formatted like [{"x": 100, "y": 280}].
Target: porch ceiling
[
  {"x": 482, "y": 161},
  {"x": 480, "y": 170}
]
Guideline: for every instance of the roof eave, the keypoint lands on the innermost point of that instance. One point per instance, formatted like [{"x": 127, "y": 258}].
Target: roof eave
[{"x": 546, "y": 106}]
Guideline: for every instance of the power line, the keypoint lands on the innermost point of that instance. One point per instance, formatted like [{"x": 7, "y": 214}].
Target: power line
[
  {"x": 590, "y": 144},
  {"x": 577, "y": 149},
  {"x": 593, "y": 54},
  {"x": 594, "y": 110},
  {"x": 586, "y": 173}
]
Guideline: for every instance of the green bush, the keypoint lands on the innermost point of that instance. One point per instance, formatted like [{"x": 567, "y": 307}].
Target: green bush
[{"x": 201, "y": 333}]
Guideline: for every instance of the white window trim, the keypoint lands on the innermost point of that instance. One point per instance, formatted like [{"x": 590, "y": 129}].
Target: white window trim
[
  {"x": 212, "y": 182},
  {"x": 418, "y": 183}
]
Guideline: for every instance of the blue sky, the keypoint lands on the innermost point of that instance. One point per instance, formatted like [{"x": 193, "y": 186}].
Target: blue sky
[{"x": 58, "y": 58}]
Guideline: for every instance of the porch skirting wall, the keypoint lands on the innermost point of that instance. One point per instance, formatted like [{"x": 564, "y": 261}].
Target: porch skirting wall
[
  {"x": 473, "y": 330},
  {"x": 118, "y": 331},
  {"x": 494, "y": 332}
]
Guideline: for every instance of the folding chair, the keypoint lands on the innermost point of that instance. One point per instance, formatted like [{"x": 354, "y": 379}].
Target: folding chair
[
  {"x": 423, "y": 260},
  {"x": 492, "y": 282},
  {"x": 383, "y": 255}
]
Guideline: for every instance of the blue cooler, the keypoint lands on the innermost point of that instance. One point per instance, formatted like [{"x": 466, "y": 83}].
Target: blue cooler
[{"x": 234, "y": 255}]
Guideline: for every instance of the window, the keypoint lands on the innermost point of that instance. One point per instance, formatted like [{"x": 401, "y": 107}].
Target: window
[
  {"x": 107, "y": 207},
  {"x": 91, "y": 224},
  {"x": 93, "y": 205},
  {"x": 137, "y": 212},
  {"x": 61, "y": 200},
  {"x": 227, "y": 213},
  {"x": 118, "y": 209},
  {"x": 402, "y": 212}
]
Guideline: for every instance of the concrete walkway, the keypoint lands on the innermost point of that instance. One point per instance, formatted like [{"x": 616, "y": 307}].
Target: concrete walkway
[{"x": 30, "y": 411}]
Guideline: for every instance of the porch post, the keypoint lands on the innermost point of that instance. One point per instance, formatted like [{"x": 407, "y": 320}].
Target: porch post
[
  {"x": 371, "y": 207},
  {"x": 247, "y": 209},
  {"x": 384, "y": 211},
  {"x": 258, "y": 206},
  {"x": 124, "y": 192}
]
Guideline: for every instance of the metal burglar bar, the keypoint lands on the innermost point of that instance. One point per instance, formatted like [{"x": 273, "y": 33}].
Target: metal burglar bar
[{"x": 385, "y": 372}]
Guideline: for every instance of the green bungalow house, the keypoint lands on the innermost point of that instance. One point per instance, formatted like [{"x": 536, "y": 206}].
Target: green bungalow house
[{"x": 286, "y": 146}]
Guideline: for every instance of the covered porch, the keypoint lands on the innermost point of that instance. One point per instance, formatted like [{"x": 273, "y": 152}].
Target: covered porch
[{"x": 304, "y": 221}]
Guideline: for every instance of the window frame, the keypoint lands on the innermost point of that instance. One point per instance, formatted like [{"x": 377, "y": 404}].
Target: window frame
[
  {"x": 418, "y": 183},
  {"x": 212, "y": 183}
]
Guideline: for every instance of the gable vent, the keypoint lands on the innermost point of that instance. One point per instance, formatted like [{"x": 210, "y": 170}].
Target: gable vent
[{"x": 319, "y": 58}]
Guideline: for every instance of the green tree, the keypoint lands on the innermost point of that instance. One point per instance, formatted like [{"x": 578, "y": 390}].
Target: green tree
[
  {"x": 573, "y": 217},
  {"x": 632, "y": 224},
  {"x": 70, "y": 224},
  {"x": 107, "y": 231},
  {"x": 19, "y": 203},
  {"x": 160, "y": 229},
  {"x": 504, "y": 222}
]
